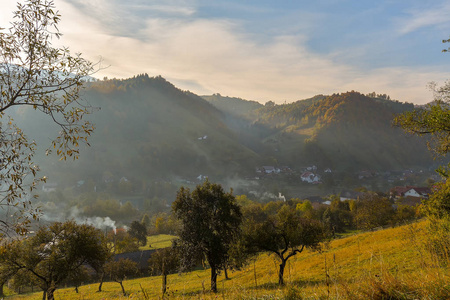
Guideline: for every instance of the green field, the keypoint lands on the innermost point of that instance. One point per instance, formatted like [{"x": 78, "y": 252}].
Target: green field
[
  {"x": 386, "y": 264},
  {"x": 158, "y": 241}
]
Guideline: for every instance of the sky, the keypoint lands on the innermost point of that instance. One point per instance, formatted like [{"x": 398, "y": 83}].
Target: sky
[{"x": 262, "y": 50}]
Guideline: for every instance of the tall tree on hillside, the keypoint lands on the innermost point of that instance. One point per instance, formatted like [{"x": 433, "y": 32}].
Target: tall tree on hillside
[
  {"x": 210, "y": 220},
  {"x": 285, "y": 234},
  {"x": 34, "y": 74}
]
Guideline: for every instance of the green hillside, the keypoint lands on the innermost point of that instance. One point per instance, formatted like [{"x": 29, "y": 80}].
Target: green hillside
[
  {"x": 347, "y": 131},
  {"x": 148, "y": 130},
  {"x": 386, "y": 264}
]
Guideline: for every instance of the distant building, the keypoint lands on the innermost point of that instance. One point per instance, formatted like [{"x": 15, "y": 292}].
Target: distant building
[
  {"x": 310, "y": 177},
  {"x": 49, "y": 187}
]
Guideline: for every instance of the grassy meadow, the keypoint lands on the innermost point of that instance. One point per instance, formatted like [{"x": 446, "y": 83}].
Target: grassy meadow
[{"x": 386, "y": 264}]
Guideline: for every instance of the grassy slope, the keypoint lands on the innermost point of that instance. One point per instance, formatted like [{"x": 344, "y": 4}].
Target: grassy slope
[
  {"x": 158, "y": 241},
  {"x": 363, "y": 266}
]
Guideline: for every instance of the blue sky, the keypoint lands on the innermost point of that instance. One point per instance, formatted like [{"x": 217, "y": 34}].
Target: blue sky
[{"x": 265, "y": 50}]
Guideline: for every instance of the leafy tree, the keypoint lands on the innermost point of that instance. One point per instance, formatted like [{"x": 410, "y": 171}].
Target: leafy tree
[
  {"x": 284, "y": 234},
  {"x": 210, "y": 220},
  {"x": 56, "y": 252},
  {"x": 163, "y": 262},
  {"x": 122, "y": 241},
  {"x": 373, "y": 211},
  {"x": 139, "y": 232},
  {"x": 34, "y": 74},
  {"x": 119, "y": 270}
]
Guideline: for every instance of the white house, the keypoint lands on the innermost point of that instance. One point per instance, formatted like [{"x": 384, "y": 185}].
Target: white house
[
  {"x": 310, "y": 177},
  {"x": 418, "y": 192},
  {"x": 270, "y": 170}
]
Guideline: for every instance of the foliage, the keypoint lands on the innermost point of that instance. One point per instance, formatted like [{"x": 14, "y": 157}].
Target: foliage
[
  {"x": 118, "y": 270},
  {"x": 34, "y": 74},
  {"x": 56, "y": 252},
  {"x": 210, "y": 220},
  {"x": 122, "y": 241},
  {"x": 284, "y": 234},
  {"x": 163, "y": 262},
  {"x": 373, "y": 211},
  {"x": 139, "y": 232}
]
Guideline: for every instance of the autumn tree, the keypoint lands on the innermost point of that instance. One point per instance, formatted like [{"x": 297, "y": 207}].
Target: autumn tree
[
  {"x": 48, "y": 80},
  {"x": 373, "y": 211},
  {"x": 284, "y": 234},
  {"x": 119, "y": 270},
  {"x": 56, "y": 252},
  {"x": 432, "y": 121},
  {"x": 139, "y": 232},
  {"x": 210, "y": 220},
  {"x": 163, "y": 262}
]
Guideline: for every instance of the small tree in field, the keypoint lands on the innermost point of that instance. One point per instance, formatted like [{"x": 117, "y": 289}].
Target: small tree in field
[
  {"x": 284, "y": 234},
  {"x": 34, "y": 74},
  {"x": 163, "y": 262},
  {"x": 119, "y": 270},
  {"x": 210, "y": 220}
]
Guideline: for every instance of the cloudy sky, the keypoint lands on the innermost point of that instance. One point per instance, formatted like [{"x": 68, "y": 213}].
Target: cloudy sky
[{"x": 264, "y": 50}]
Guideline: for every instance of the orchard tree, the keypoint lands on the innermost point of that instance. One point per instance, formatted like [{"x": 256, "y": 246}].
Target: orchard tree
[
  {"x": 164, "y": 262},
  {"x": 119, "y": 270},
  {"x": 55, "y": 253},
  {"x": 48, "y": 80},
  {"x": 210, "y": 220},
  {"x": 284, "y": 234}
]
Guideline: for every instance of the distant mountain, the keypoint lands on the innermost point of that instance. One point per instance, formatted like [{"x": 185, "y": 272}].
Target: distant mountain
[
  {"x": 147, "y": 129},
  {"x": 346, "y": 131}
]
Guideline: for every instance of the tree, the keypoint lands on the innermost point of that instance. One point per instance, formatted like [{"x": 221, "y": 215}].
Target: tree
[
  {"x": 284, "y": 234},
  {"x": 163, "y": 262},
  {"x": 118, "y": 270},
  {"x": 432, "y": 121},
  {"x": 373, "y": 211},
  {"x": 122, "y": 241},
  {"x": 139, "y": 232},
  {"x": 34, "y": 74},
  {"x": 56, "y": 252},
  {"x": 210, "y": 220}
]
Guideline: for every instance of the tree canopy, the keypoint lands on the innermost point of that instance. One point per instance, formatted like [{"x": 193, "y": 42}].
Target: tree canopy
[
  {"x": 55, "y": 253},
  {"x": 210, "y": 220},
  {"x": 37, "y": 75}
]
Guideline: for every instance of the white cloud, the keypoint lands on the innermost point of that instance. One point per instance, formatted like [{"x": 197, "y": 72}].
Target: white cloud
[
  {"x": 419, "y": 18},
  {"x": 215, "y": 55}
]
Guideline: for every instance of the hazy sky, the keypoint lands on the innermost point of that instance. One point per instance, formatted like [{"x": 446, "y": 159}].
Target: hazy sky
[{"x": 264, "y": 50}]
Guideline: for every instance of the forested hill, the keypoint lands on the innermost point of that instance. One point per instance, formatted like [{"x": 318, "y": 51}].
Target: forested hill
[
  {"x": 347, "y": 131},
  {"x": 147, "y": 129}
]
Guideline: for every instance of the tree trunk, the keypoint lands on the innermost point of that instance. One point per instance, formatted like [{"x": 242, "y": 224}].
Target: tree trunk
[
  {"x": 281, "y": 272},
  {"x": 226, "y": 273},
  {"x": 101, "y": 282},
  {"x": 213, "y": 279},
  {"x": 123, "y": 289},
  {"x": 1, "y": 289},
  {"x": 164, "y": 284},
  {"x": 50, "y": 293}
]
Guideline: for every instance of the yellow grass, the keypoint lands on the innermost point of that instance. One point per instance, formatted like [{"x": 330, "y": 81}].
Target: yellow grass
[{"x": 362, "y": 266}]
